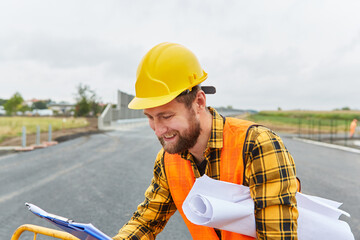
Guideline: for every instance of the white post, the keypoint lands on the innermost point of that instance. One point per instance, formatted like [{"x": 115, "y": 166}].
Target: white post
[
  {"x": 37, "y": 135},
  {"x": 23, "y": 136},
  {"x": 50, "y": 137}
]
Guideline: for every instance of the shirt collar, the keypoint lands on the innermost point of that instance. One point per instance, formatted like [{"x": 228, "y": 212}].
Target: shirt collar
[{"x": 216, "y": 137}]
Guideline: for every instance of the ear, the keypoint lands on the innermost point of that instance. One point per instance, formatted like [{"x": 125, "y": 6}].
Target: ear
[{"x": 200, "y": 101}]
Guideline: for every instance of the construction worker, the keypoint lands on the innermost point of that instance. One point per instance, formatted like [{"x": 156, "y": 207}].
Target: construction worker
[
  {"x": 353, "y": 127},
  {"x": 197, "y": 140}
]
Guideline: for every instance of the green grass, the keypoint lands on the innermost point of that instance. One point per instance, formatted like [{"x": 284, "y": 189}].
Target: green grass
[
  {"x": 335, "y": 115},
  {"x": 307, "y": 119},
  {"x": 12, "y": 126}
]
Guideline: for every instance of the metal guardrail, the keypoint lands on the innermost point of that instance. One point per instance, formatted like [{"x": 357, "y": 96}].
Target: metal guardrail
[
  {"x": 105, "y": 118},
  {"x": 113, "y": 118},
  {"x": 333, "y": 131},
  {"x": 120, "y": 111}
]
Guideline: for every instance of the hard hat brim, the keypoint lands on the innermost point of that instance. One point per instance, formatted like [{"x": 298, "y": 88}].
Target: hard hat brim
[{"x": 143, "y": 103}]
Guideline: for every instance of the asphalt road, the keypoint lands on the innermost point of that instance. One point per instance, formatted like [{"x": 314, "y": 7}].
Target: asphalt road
[{"x": 101, "y": 179}]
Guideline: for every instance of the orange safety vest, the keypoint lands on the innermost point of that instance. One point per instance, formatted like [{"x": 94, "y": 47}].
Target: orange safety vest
[{"x": 180, "y": 175}]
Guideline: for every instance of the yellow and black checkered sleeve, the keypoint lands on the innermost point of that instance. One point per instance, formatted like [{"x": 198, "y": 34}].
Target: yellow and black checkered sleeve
[
  {"x": 271, "y": 175},
  {"x": 152, "y": 214}
]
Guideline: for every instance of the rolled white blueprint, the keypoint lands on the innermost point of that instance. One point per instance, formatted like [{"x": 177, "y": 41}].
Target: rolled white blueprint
[{"x": 230, "y": 207}]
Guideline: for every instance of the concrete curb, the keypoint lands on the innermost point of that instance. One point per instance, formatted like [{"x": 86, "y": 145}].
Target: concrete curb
[
  {"x": 10, "y": 149},
  {"x": 329, "y": 145},
  {"x": 24, "y": 149}
]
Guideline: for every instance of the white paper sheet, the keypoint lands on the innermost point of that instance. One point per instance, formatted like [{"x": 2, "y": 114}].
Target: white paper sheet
[{"x": 230, "y": 207}]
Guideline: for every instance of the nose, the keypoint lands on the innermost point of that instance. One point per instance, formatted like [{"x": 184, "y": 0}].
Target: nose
[{"x": 159, "y": 128}]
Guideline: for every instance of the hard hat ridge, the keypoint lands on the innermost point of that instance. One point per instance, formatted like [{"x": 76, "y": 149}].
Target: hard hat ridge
[{"x": 165, "y": 72}]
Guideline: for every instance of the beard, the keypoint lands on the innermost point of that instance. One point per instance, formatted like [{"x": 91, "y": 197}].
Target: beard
[{"x": 186, "y": 140}]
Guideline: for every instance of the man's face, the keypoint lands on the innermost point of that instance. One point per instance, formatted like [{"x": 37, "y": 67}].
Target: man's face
[{"x": 176, "y": 126}]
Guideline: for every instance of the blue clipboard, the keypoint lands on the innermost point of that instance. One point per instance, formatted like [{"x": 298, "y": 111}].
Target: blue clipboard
[{"x": 83, "y": 231}]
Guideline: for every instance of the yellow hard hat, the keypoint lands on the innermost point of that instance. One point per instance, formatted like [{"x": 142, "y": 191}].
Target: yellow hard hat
[{"x": 165, "y": 71}]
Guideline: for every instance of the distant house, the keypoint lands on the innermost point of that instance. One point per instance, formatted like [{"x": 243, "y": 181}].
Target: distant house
[
  {"x": 30, "y": 102},
  {"x": 42, "y": 112},
  {"x": 62, "y": 108}
]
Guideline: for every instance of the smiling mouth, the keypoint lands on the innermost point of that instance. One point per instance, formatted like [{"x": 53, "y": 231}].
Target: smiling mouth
[{"x": 168, "y": 137}]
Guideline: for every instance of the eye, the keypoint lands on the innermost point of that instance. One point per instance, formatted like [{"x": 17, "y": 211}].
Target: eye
[{"x": 167, "y": 116}]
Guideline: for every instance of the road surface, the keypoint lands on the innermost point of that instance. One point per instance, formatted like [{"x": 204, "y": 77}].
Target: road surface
[{"x": 101, "y": 179}]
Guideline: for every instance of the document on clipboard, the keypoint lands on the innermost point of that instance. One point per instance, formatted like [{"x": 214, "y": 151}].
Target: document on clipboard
[{"x": 83, "y": 231}]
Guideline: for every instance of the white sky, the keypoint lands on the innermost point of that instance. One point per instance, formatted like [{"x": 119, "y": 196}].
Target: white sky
[{"x": 259, "y": 54}]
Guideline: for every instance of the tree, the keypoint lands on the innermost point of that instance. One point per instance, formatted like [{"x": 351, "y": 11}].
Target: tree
[
  {"x": 14, "y": 104},
  {"x": 87, "y": 102},
  {"x": 39, "y": 105},
  {"x": 2, "y": 101},
  {"x": 82, "y": 108}
]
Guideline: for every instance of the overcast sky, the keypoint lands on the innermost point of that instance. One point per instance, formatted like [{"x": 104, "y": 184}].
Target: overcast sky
[{"x": 259, "y": 54}]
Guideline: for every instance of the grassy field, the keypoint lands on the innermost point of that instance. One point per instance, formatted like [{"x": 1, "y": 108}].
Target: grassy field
[
  {"x": 12, "y": 126},
  {"x": 307, "y": 119}
]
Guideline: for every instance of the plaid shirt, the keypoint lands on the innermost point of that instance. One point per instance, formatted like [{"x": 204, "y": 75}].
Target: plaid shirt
[{"x": 270, "y": 174}]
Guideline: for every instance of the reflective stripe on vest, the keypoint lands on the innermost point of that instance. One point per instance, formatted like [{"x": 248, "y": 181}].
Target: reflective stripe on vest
[{"x": 181, "y": 178}]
